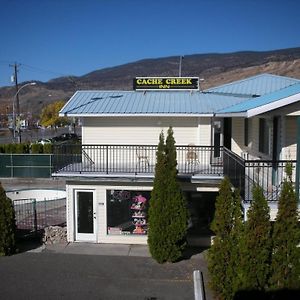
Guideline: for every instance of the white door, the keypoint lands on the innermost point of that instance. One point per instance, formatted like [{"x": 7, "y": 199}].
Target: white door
[{"x": 85, "y": 216}]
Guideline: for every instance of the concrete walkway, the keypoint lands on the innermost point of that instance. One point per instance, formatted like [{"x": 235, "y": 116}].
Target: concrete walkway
[
  {"x": 97, "y": 249},
  {"x": 107, "y": 250}
]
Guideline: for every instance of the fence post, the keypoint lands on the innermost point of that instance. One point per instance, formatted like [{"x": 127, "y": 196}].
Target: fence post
[
  {"x": 50, "y": 165},
  {"x": 35, "y": 217},
  {"x": 11, "y": 166}
]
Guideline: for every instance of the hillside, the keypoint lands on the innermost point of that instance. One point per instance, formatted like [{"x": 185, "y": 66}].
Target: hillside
[{"x": 214, "y": 68}]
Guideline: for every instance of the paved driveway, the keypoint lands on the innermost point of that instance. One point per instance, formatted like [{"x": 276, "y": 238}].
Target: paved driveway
[{"x": 70, "y": 276}]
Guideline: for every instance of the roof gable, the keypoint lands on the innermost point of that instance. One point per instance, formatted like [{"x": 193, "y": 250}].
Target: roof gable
[
  {"x": 254, "y": 86},
  {"x": 264, "y": 103}
]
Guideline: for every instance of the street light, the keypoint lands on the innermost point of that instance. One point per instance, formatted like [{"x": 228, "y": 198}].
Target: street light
[{"x": 14, "y": 114}]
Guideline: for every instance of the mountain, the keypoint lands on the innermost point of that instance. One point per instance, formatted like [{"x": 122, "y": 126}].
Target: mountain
[{"x": 214, "y": 68}]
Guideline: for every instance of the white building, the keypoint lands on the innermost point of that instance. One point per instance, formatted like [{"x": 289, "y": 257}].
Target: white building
[{"x": 246, "y": 130}]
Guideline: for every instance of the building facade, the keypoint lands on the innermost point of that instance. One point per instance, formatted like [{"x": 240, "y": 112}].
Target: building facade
[{"x": 246, "y": 130}]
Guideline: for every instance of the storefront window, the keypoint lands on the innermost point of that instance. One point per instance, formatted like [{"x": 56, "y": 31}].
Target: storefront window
[{"x": 127, "y": 212}]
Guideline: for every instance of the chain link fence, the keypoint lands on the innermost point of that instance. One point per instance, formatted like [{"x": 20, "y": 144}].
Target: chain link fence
[{"x": 33, "y": 216}]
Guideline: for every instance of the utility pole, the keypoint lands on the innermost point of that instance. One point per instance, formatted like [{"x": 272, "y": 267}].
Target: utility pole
[
  {"x": 180, "y": 63},
  {"x": 15, "y": 77},
  {"x": 16, "y": 110}
]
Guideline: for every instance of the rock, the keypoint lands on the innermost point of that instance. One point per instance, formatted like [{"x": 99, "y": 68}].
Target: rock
[{"x": 55, "y": 235}]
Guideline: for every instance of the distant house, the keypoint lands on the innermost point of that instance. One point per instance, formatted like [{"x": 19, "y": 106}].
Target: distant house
[{"x": 246, "y": 130}]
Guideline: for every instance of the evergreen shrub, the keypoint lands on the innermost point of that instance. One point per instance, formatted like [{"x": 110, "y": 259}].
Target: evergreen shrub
[
  {"x": 286, "y": 239},
  {"x": 256, "y": 246},
  {"x": 224, "y": 255},
  {"x": 168, "y": 214},
  {"x": 36, "y": 148},
  {"x": 7, "y": 224}
]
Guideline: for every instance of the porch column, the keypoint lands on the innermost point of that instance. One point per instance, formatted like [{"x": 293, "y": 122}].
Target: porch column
[{"x": 298, "y": 158}]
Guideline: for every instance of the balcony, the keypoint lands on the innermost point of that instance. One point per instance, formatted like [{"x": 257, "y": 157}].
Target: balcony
[
  {"x": 138, "y": 160},
  {"x": 193, "y": 162}
]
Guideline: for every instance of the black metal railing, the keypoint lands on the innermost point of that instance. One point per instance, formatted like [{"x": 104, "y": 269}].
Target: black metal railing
[
  {"x": 137, "y": 159},
  {"x": 269, "y": 175},
  {"x": 191, "y": 160},
  {"x": 245, "y": 174},
  {"x": 234, "y": 169}
]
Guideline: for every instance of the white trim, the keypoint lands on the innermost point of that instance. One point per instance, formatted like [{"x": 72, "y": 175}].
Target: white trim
[
  {"x": 231, "y": 114},
  {"x": 59, "y": 113},
  {"x": 97, "y": 175},
  {"x": 136, "y": 115},
  {"x": 273, "y": 105},
  {"x": 86, "y": 237}
]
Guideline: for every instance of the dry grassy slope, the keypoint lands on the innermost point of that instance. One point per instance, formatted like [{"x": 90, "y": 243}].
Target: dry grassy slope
[
  {"x": 285, "y": 68},
  {"x": 33, "y": 99}
]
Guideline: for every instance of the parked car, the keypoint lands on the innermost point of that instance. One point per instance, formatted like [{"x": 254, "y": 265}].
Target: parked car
[
  {"x": 65, "y": 137},
  {"x": 43, "y": 141}
]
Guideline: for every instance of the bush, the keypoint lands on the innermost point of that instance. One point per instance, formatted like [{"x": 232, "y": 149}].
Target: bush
[
  {"x": 15, "y": 148},
  {"x": 21, "y": 148},
  {"x": 256, "y": 246},
  {"x": 36, "y": 148},
  {"x": 286, "y": 239},
  {"x": 47, "y": 148},
  {"x": 224, "y": 255},
  {"x": 7, "y": 224},
  {"x": 10, "y": 148},
  {"x": 168, "y": 210}
]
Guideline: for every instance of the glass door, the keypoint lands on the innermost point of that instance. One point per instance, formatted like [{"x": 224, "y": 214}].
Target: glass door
[{"x": 85, "y": 216}]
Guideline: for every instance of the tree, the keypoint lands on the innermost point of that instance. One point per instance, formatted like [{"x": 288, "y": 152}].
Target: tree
[
  {"x": 223, "y": 256},
  {"x": 168, "y": 210},
  {"x": 256, "y": 246},
  {"x": 286, "y": 239},
  {"x": 7, "y": 225},
  {"x": 236, "y": 235},
  {"x": 50, "y": 117}
]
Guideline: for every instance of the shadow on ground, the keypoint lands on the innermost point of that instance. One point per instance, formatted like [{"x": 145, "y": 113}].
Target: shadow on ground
[
  {"x": 28, "y": 243},
  {"x": 283, "y": 294},
  {"x": 191, "y": 251}
]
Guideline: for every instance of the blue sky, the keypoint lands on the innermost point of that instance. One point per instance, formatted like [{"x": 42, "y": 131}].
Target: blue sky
[{"x": 51, "y": 38}]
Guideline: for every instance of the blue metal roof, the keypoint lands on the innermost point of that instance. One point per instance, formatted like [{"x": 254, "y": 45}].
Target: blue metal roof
[
  {"x": 254, "y": 86},
  {"x": 237, "y": 97},
  {"x": 89, "y": 103},
  {"x": 263, "y": 100}
]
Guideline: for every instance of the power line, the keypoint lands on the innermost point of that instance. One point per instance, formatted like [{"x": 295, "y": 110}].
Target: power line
[
  {"x": 43, "y": 70},
  {"x": 32, "y": 68}
]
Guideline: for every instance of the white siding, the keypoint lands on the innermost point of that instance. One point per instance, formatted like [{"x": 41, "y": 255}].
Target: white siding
[
  {"x": 70, "y": 214},
  {"x": 237, "y": 141},
  {"x": 204, "y": 132},
  {"x": 253, "y": 138},
  {"x": 141, "y": 131},
  {"x": 101, "y": 216},
  {"x": 291, "y": 138}
]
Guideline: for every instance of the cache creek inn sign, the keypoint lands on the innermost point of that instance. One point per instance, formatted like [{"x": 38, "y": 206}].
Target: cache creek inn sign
[{"x": 166, "y": 83}]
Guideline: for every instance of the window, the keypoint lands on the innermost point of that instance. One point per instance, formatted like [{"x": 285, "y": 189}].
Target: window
[
  {"x": 246, "y": 132},
  {"x": 264, "y": 136},
  {"x": 127, "y": 212}
]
